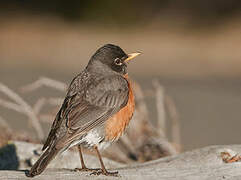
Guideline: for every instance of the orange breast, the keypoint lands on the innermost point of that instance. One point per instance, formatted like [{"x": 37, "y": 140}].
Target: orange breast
[{"x": 116, "y": 125}]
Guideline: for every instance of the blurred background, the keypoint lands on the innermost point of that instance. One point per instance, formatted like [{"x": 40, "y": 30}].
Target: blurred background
[{"x": 192, "y": 47}]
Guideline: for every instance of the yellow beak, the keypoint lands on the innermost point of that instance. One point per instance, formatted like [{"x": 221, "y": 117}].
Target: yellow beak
[{"x": 131, "y": 56}]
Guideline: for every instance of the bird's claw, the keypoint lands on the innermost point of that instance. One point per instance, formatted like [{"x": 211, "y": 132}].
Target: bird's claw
[
  {"x": 104, "y": 172},
  {"x": 86, "y": 169}
]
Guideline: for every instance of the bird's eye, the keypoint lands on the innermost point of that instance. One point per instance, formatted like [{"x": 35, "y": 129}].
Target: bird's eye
[{"x": 118, "y": 62}]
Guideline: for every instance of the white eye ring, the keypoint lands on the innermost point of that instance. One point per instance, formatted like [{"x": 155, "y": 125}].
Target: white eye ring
[{"x": 118, "y": 62}]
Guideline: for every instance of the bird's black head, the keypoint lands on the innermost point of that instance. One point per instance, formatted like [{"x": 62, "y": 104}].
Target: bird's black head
[{"x": 113, "y": 57}]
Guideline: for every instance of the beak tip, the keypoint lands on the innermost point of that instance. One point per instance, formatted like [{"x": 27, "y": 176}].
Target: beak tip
[{"x": 132, "y": 55}]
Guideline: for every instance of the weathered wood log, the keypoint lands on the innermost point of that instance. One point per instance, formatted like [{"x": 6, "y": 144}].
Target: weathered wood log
[{"x": 209, "y": 163}]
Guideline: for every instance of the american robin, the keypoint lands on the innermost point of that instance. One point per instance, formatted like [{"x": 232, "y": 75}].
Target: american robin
[{"x": 96, "y": 110}]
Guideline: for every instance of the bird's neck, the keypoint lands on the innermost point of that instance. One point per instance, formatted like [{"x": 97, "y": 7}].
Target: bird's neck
[{"x": 96, "y": 67}]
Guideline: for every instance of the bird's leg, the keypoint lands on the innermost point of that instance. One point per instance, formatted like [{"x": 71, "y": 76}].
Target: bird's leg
[
  {"x": 83, "y": 166},
  {"x": 103, "y": 169}
]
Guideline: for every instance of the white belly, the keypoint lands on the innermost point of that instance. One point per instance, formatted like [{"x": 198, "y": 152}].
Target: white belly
[{"x": 92, "y": 139}]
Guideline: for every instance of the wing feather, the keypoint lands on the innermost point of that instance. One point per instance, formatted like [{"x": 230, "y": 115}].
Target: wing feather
[{"x": 88, "y": 108}]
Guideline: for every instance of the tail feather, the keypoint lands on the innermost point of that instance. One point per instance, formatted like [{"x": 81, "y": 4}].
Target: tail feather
[{"x": 43, "y": 161}]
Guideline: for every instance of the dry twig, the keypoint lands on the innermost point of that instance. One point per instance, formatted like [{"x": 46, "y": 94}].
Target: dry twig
[
  {"x": 22, "y": 107},
  {"x": 175, "y": 128},
  {"x": 38, "y": 105},
  {"x": 10, "y": 105},
  {"x": 44, "y": 81},
  {"x": 161, "y": 115}
]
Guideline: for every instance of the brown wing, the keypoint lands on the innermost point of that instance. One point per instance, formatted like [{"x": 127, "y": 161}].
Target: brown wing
[{"x": 83, "y": 111}]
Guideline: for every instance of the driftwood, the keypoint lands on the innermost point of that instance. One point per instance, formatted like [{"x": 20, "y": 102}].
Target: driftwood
[{"x": 209, "y": 163}]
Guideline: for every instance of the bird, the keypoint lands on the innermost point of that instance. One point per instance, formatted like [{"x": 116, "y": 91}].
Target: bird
[{"x": 98, "y": 107}]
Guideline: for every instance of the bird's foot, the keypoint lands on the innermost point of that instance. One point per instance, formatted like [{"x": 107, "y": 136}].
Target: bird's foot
[
  {"x": 86, "y": 169},
  {"x": 105, "y": 172}
]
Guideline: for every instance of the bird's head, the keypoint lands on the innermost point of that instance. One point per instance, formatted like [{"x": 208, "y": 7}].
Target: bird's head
[{"x": 112, "y": 57}]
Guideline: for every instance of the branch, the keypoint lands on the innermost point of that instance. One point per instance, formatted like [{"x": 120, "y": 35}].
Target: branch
[
  {"x": 44, "y": 81},
  {"x": 38, "y": 105},
  {"x": 161, "y": 115},
  {"x": 26, "y": 109},
  {"x": 175, "y": 128},
  {"x": 11, "y": 105}
]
